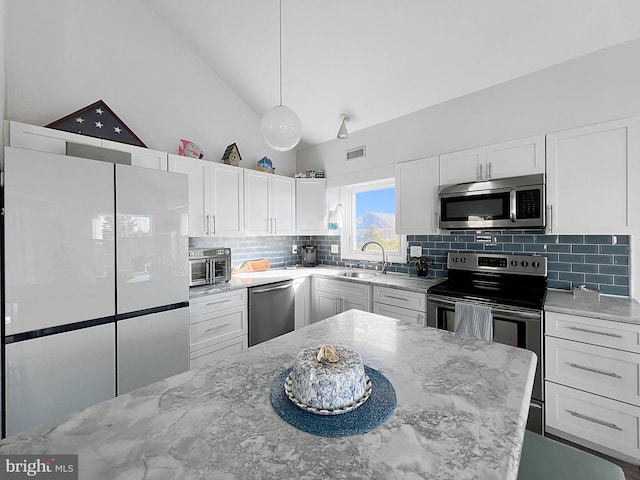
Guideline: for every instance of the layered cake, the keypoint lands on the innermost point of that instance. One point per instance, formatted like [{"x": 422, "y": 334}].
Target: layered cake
[{"x": 328, "y": 377}]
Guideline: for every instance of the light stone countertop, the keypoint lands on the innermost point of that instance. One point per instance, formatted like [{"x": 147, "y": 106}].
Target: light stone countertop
[
  {"x": 617, "y": 309},
  {"x": 462, "y": 406},
  {"x": 254, "y": 279}
]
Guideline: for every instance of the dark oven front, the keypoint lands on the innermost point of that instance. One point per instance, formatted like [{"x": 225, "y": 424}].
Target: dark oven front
[{"x": 511, "y": 326}]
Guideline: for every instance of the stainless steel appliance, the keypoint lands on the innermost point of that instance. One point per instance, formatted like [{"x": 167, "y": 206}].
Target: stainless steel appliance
[
  {"x": 514, "y": 286},
  {"x": 271, "y": 311},
  {"x": 514, "y": 202},
  {"x": 95, "y": 282},
  {"x": 209, "y": 265},
  {"x": 309, "y": 255}
]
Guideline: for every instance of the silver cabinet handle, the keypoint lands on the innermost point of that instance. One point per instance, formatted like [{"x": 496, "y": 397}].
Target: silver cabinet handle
[
  {"x": 489, "y": 170},
  {"x": 550, "y": 224},
  {"x": 479, "y": 171},
  {"x": 219, "y": 327},
  {"x": 586, "y": 330},
  {"x": 593, "y": 370},
  {"x": 512, "y": 205},
  {"x": 213, "y": 230},
  {"x": 219, "y": 302},
  {"x": 436, "y": 224},
  {"x": 275, "y": 225},
  {"x": 593, "y": 420},
  {"x": 207, "y": 224},
  {"x": 397, "y": 298}
]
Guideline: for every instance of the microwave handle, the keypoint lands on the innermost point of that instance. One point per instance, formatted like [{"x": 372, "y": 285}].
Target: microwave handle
[{"x": 512, "y": 205}]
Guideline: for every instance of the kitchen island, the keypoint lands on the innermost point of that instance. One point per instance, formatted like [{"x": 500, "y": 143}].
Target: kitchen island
[{"x": 461, "y": 411}]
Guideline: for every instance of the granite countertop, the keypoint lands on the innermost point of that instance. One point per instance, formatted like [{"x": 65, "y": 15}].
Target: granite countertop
[
  {"x": 462, "y": 406},
  {"x": 617, "y": 309},
  {"x": 254, "y": 279}
]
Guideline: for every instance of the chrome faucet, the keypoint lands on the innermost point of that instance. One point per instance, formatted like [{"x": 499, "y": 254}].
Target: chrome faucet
[{"x": 384, "y": 255}]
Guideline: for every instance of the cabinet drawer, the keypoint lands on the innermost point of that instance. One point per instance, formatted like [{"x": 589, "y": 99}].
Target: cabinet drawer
[
  {"x": 402, "y": 314},
  {"x": 210, "y": 328},
  {"x": 219, "y": 351},
  {"x": 218, "y": 301},
  {"x": 603, "y": 371},
  {"x": 608, "y": 423},
  {"x": 623, "y": 336},
  {"x": 343, "y": 288},
  {"x": 400, "y": 298}
]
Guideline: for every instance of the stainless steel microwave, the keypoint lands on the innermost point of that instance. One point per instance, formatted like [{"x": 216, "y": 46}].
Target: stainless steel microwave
[{"x": 516, "y": 202}]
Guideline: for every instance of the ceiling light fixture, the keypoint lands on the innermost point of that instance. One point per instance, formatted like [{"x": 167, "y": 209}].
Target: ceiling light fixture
[
  {"x": 342, "y": 132},
  {"x": 281, "y": 127}
]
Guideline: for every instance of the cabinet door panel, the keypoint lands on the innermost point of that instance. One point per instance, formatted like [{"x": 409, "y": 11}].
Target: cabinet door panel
[
  {"x": 227, "y": 200},
  {"x": 402, "y": 314},
  {"x": 219, "y": 351},
  {"x": 283, "y": 211},
  {"x": 592, "y": 179},
  {"x": 325, "y": 305},
  {"x": 256, "y": 200},
  {"x": 416, "y": 196},
  {"x": 519, "y": 157},
  {"x": 140, "y": 157},
  {"x": 198, "y": 173},
  {"x": 310, "y": 206},
  {"x": 348, "y": 303},
  {"x": 463, "y": 166}
]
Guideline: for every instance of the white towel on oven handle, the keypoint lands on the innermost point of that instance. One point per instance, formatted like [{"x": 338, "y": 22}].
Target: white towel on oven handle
[{"x": 473, "y": 320}]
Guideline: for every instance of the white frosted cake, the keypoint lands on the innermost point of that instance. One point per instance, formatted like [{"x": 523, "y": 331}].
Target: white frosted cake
[{"x": 327, "y": 383}]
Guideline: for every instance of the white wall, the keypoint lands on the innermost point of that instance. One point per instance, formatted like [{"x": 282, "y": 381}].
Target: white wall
[
  {"x": 63, "y": 55},
  {"x": 591, "y": 89}
]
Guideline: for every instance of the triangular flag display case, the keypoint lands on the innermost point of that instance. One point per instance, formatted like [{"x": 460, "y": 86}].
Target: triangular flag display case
[{"x": 99, "y": 121}]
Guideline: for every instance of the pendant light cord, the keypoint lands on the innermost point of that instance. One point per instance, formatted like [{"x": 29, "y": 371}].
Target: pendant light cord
[{"x": 280, "y": 5}]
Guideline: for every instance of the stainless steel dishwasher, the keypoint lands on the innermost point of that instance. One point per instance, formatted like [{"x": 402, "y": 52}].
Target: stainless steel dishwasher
[{"x": 271, "y": 311}]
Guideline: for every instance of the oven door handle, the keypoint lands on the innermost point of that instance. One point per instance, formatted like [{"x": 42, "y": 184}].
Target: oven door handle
[
  {"x": 512, "y": 205},
  {"x": 505, "y": 313}
]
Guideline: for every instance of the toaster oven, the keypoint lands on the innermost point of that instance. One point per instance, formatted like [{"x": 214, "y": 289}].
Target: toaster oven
[{"x": 209, "y": 265}]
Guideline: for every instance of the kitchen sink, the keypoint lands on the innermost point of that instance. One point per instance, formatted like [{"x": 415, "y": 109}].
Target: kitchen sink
[{"x": 358, "y": 274}]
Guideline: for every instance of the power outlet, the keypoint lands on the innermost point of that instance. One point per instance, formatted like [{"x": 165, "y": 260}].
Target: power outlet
[
  {"x": 334, "y": 249},
  {"x": 294, "y": 249},
  {"x": 415, "y": 251}
]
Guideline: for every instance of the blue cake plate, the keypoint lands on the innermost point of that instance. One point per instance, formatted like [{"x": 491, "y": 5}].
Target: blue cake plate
[{"x": 380, "y": 404}]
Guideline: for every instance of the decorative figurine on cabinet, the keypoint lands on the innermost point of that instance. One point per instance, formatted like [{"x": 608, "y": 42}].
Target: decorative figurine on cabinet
[{"x": 232, "y": 155}]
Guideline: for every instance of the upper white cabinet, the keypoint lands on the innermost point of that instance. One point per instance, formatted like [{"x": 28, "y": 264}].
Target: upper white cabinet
[
  {"x": 416, "y": 196},
  {"x": 509, "y": 159},
  {"x": 310, "y": 205},
  {"x": 270, "y": 204},
  {"x": 50, "y": 140},
  {"x": 215, "y": 196},
  {"x": 593, "y": 175}
]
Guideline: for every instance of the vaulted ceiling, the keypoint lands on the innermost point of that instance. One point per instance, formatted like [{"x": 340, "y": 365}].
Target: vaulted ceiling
[{"x": 377, "y": 60}]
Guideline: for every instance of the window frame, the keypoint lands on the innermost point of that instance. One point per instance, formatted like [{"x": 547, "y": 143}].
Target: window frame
[{"x": 372, "y": 254}]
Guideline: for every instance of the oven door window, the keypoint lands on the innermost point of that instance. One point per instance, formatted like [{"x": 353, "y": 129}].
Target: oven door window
[
  {"x": 508, "y": 332},
  {"x": 220, "y": 268},
  {"x": 198, "y": 271},
  {"x": 492, "y": 206}
]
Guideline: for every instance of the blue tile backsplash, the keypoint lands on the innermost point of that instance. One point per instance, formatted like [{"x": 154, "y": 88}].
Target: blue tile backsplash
[{"x": 597, "y": 261}]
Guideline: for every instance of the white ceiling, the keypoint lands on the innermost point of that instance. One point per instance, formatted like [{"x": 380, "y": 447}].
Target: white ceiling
[{"x": 377, "y": 60}]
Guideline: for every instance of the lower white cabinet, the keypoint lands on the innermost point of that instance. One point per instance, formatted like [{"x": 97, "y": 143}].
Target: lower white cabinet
[
  {"x": 218, "y": 326},
  {"x": 592, "y": 383},
  {"x": 302, "y": 312},
  {"x": 400, "y": 304},
  {"x": 333, "y": 296}
]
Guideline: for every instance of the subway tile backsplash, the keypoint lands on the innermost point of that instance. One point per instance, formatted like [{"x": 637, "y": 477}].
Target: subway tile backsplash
[{"x": 597, "y": 261}]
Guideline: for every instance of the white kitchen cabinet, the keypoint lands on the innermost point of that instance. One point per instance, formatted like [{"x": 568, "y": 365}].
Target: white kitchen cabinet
[
  {"x": 50, "y": 140},
  {"x": 333, "y": 296},
  {"x": 592, "y": 179},
  {"x": 310, "y": 205},
  {"x": 218, "y": 325},
  {"x": 592, "y": 383},
  {"x": 269, "y": 204},
  {"x": 400, "y": 304},
  {"x": 524, "y": 156},
  {"x": 417, "y": 196},
  {"x": 302, "y": 309},
  {"x": 215, "y": 196}
]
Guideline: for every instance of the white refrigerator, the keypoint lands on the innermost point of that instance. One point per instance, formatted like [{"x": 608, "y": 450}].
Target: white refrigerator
[{"x": 96, "y": 282}]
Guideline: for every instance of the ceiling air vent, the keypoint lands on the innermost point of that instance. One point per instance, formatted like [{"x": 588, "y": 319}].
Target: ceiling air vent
[{"x": 356, "y": 153}]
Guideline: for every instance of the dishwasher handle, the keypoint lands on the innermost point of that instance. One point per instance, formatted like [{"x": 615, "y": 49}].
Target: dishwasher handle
[{"x": 271, "y": 289}]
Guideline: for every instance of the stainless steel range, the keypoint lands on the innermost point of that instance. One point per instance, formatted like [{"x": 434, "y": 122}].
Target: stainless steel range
[{"x": 514, "y": 286}]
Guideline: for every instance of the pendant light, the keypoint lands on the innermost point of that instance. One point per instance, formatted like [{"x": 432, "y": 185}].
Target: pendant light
[
  {"x": 280, "y": 126},
  {"x": 342, "y": 132}
]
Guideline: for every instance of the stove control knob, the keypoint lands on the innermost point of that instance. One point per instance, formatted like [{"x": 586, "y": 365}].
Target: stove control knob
[
  {"x": 525, "y": 264},
  {"x": 463, "y": 260},
  {"x": 514, "y": 263},
  {"x": 535, "y": 264}
]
